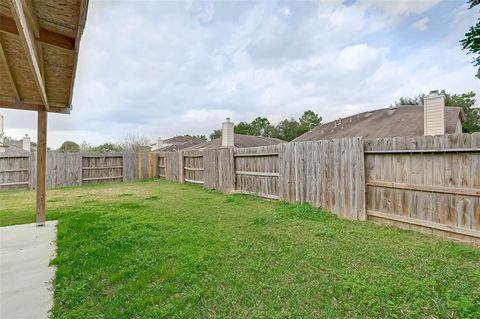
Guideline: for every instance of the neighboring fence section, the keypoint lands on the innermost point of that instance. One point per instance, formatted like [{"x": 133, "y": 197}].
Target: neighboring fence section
[
  {"x": 430, "y": 183},
  {"x": 14, "y": 172},
  {"x": 257, "y": 171},
  {"x": 427, "y": 183},
  {"x": 73, "y": 169}
]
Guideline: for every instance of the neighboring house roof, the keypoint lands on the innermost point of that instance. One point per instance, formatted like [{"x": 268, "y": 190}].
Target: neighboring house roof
[
  {"x": 13, "y": 149},
  {"x": 14, "y": 146},
  {"x": 182, "y": 139},
  {"x": 388, "y": 122},
  {"x": 177, "y": 143},
  {"x": 240, "y": 141},
  {"x": 178, "y": 147}
]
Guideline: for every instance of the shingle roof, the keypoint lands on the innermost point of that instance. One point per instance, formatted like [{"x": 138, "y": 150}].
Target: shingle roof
[
  {"x": 178, "y": 147},
  {"x": 240, "y": 141},
  {"x": 182, "y": 139},
  {"x": 388, "y": 122}
]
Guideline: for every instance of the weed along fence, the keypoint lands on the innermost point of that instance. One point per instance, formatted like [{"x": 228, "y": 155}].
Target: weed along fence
[
  {"x": 426, "y": 183},
  {"x": 73, "y": 169}
]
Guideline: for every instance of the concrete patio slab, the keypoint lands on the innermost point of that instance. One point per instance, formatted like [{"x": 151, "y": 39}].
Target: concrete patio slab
[{"x": 25, "y": 275}]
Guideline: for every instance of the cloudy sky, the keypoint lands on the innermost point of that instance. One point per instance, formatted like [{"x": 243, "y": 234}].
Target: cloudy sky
[{"x": 160, "y": 68}]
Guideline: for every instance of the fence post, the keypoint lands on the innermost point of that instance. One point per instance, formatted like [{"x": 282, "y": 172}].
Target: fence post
[
  {"x": 181, "y": 169},
  {"x": 139, "y": 160},
  {"x": 361, "y": 184}
]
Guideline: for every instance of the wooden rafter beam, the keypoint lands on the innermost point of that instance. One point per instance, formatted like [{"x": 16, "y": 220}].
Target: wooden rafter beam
[
  {"x": 28, "y": 40},
  {"x": 82, "y": 18},
  {"x": 33, "y": 107},
  {"x": 7, "y": 25},
  {"x": 3, "y": 57}
]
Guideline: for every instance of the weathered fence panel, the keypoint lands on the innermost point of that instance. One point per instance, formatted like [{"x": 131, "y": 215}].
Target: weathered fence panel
[
  {"x": 174, "y": 163},
  {"x": 327, "y": 174},
  {"x": 219, "y": 169},
  {"x": 63, "y": 169},
  {"x": 14, "y": 172},
  {"x": 193, "y": 167},
  {"x": 427, "y": 183},
  {"x": 101, "y": 168},
  {"x": 257, "y": 170},
  {"x": 161, "y": 165},
  {"x": 130, "y": 167}
]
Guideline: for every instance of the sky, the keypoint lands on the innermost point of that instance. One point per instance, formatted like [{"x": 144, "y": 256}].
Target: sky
[{"x": 159, "y": 69}]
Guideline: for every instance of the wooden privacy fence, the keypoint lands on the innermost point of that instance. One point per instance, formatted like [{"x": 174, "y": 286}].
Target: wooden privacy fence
[
  {"x": 427, "y": 183},
  {"x": 73, "y": 169},
  {"x": 15, "y": 172},
  {"x": 430, "y": 183}
]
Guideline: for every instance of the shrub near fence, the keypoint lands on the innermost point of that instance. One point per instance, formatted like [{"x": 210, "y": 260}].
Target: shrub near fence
[
  {"x": 425, "y": 183},
  {"x": 73, "y": 169}
]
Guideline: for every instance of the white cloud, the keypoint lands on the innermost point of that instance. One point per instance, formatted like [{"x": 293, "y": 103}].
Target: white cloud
[
  {"x": 402, "y": 8},
  {"x": 357, "y": 57},
  {"x": 421, "y": 24}
]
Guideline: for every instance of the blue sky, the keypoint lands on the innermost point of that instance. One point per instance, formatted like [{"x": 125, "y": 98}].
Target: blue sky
[{"x": 160, "y": 68}]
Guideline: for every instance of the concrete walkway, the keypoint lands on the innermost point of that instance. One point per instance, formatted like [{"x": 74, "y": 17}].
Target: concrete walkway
[{"x": 25, "y": 277}]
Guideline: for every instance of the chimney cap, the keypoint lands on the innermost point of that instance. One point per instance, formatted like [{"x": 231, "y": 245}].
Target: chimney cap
[
  {"x": 228, "y": 119},
  {"x": 434, "y": 92}
]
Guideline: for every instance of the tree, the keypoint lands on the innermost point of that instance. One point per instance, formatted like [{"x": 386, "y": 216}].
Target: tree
[
  {"x": 465, "y": 100},
  {"x": 85, "y": 147},
  {"x": 107, "y": 148},
  {"x": 310, "y": 120},
  {"x": 200, "y": 137},
  {"x": 242, "y": 128},
  {"x": 417, "y": 100},
  {"x": 216, "y": 134},
  {"x": 69, "y": 146},
  {"x": 135, "y": 143},
  {"x": 289, "y": 129},
  {"x": 472, "y": 114},
  {"x": 471, "y": 42},
  {"x": 260, "y": 126}
]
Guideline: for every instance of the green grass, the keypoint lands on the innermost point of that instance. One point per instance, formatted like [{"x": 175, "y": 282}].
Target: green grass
[{"x": 162, "y": 250}]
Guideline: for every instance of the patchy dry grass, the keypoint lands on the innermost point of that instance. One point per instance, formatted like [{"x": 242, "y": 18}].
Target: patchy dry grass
[{"x": 163, "y": 250}]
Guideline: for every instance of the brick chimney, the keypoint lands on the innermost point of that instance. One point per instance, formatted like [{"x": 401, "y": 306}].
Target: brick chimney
[
  {"x": 228, "y": 134},
  {"x": 26, "y": 143},
  {"x": 434, "y": 114}
]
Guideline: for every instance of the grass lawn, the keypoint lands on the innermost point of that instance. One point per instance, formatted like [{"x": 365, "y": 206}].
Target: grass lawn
[{"x": 157, "y": 249}]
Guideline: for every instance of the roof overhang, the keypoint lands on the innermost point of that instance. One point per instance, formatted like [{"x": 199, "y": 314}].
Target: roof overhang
[{"x": 39, "y": 43}]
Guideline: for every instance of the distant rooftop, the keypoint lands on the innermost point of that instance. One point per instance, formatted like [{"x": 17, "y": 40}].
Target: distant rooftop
[
  {"x": 388, "y": 122},
  {"x": 240, "y": 141}
]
